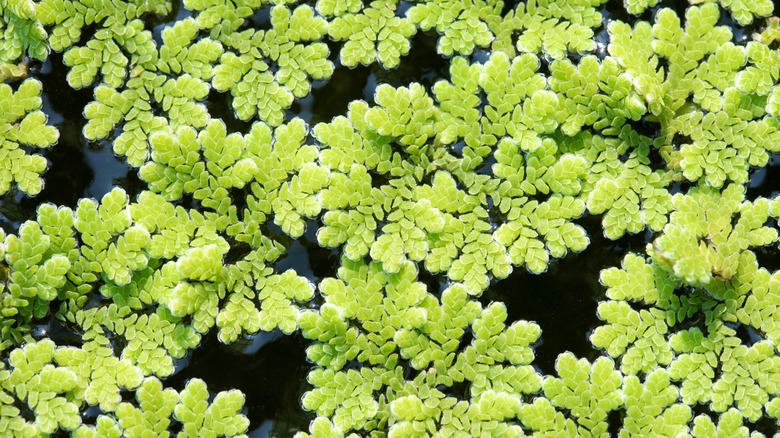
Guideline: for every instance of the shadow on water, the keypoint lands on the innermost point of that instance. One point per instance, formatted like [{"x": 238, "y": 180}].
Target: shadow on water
[
  {"x": 76, "y": 168},
  {"x": 269, "y": 368},
  {"x": 563, "y": 300},
  {"x": 332, "y": 99},
  {"x": 765, "y": 183},
  {"x": 423, "y": 65},
  {"x": 308, "y": 258}
]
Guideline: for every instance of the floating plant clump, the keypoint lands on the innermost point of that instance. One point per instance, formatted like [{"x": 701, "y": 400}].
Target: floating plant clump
[{"x": 392, "y": 218}]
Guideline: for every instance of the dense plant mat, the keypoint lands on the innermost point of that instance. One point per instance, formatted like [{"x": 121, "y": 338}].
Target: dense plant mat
[{"x": 390, "y": 218}]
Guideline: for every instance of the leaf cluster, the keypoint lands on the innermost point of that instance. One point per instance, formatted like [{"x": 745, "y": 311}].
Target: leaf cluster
[
  {"x": 488, "y": 169},
  {"x": 22, "y": 36},
  {"x": 23, "y": 125}
]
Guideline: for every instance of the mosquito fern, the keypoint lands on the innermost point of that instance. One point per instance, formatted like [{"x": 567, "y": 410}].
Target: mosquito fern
[
  {"x": 462, "y": 25},
  {"x": 539, "y": 131},
  {"x": 290, "y": 45},
  {"x": 22, "y": 125},
  {"x": 21, "y": 35}
]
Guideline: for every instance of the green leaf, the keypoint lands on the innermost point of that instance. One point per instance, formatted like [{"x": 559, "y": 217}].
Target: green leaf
[
  {"x": 152, "y": 416},
  {"x": 289, "y": 46},
  {"x": 34, "y": 271},
  {"x": 201, "y": 264},
  {"x": 321, "y": 427},
  {"x": 106, "y": 427},
  {"x": 375, "y": 34},
  {"x": 22, "y": 126},
  {"x": 278, "y": 293},
  {"x": 346, "y": 395},
  {"x": 588, "y": 392},
  {"x": 357, "y": 295},
  {"x": 700, "y": 244},
  {"x": 22, "y": 33},
  {"x": 206, "y": 164},
  {"x": 222, "y": 18},
  {"x": 762, "y": 73},
  {"x": 557, "y": 27},
  {"x": 117, "y": 20},
  {"x": 179, "y": 54},
  {"x": 636, "y": 7},
  {"x": 744, "y": 12},
  {"x": 652, "y": 406},
  {"x": 638, "y": 337},
  {"x": 221, "y": 417},
  {"x": 462, "y": 25},
  {"x": 338, "y": 7},
  {"x": 404, "y": 113},
  {"x": 45, "y": 388},
  {"x": 111, "y": 245},
  {"x": 716, "y": 155}
]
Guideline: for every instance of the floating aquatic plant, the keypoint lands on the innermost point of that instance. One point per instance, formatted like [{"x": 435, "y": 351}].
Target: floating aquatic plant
[
  {"x": 291, "y": 46},
  {"x": 377, "y": 27},
  {"x": 22, "y": 126},
  {"x": 21, "y": 35},
  {"x": 656, "y": 127}
]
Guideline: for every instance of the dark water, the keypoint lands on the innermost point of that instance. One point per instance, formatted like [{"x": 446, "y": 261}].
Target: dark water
[
  {"x": 271, "y": 368},
  {"x": 563, "y": 300}
]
